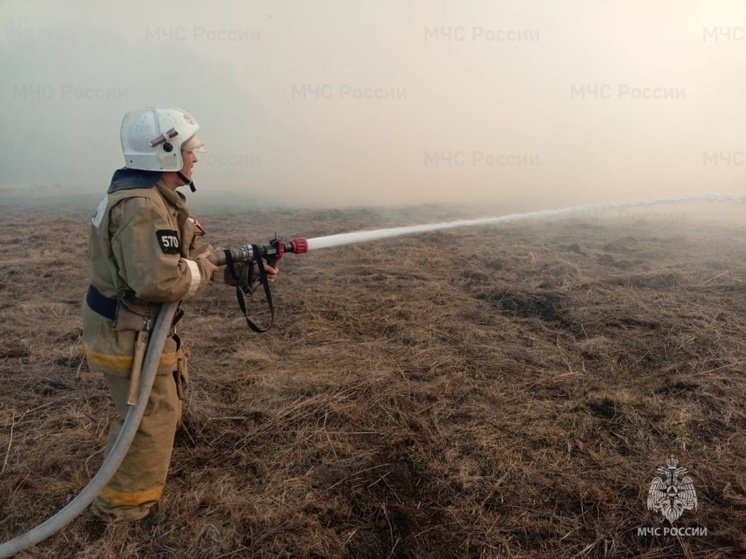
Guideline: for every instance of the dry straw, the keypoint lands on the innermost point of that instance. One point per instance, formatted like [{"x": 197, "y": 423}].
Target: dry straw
[{"x": 503, "y": 391}]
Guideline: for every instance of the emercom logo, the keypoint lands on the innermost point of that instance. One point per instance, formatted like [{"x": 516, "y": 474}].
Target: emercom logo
[{"x": 671, "y": 493}]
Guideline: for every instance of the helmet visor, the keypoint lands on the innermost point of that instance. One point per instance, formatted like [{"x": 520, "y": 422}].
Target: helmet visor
[{"x": 194, "y": 144}]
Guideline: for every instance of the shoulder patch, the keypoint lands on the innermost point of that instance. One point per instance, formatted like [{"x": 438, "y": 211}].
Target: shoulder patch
[{"x": 168, "y": 240}]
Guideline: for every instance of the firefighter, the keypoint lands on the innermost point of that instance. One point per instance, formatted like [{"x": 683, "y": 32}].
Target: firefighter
[{"x": 145, "y": 248}]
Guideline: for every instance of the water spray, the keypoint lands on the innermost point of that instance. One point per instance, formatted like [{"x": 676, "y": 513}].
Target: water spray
[
  {"x": 364, "y": 236},
  {"x": 276, "y": 249},
  {"x": 271, "y": 253}
]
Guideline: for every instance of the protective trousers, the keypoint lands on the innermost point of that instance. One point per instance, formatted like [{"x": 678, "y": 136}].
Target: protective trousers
[{"x": 138, "y": 483}]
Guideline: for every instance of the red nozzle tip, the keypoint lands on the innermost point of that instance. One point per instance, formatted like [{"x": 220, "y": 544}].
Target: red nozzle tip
[{"x": 300, "y": 245}]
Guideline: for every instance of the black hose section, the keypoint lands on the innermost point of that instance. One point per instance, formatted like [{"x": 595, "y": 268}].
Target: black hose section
[{"x": 118, "y": 451}]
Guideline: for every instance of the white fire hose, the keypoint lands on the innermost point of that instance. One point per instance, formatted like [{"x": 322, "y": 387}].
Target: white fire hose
[{"x": 118, "y": 451}]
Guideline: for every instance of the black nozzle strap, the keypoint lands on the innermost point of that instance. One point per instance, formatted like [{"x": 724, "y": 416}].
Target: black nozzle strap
[{"x": 244, "y": 288}]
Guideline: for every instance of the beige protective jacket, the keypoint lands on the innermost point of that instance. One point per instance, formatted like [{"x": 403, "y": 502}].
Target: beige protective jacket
[{"x": 143, "y": 247}]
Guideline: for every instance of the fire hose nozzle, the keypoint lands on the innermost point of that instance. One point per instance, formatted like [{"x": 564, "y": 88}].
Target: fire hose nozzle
[
  {"x": 277, "y": 248},
  {"x": 300, "y": 245},
  {"x": 271, "y": 252}
]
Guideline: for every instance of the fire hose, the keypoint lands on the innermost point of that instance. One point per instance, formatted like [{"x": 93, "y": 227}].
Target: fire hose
[{"x": 118, "y": 451}]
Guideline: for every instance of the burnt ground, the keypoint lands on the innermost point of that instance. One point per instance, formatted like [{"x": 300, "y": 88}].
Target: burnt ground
[{"x": 503, "y": 391}]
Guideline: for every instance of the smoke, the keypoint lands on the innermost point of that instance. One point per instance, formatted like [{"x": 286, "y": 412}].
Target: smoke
[{"x": 334, "y": 104}]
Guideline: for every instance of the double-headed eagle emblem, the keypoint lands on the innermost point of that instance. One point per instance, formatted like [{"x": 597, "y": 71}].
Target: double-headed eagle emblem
[{"x": 671, "y": 494}]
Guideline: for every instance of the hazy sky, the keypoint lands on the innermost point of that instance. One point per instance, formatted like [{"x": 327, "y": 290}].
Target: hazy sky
[{"x": 334, "y": 103}]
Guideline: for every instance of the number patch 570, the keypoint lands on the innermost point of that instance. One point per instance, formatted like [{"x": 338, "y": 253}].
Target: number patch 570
[{"x": 168, "y": 241}]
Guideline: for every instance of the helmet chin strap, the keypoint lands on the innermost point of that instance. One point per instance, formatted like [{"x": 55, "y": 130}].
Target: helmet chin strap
[{"x": 187, "y": 181}]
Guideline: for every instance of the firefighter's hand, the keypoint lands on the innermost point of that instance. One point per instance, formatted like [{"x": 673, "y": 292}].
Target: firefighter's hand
[
  {"x": 210, "y": 268},
  {"x": 272, "y": 272}
]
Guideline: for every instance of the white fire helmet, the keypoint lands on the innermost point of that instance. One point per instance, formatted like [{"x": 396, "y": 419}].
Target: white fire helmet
[{"x": 153, "y": 137}]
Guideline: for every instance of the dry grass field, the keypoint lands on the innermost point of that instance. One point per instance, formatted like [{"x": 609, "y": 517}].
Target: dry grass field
[{"x": 487, "y": 392}]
